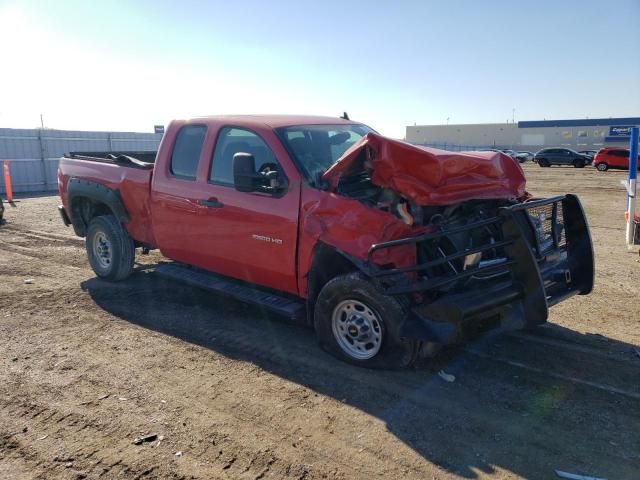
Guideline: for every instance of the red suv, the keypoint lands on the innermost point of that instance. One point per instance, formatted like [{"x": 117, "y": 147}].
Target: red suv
[{"x": 608, "y": 158}]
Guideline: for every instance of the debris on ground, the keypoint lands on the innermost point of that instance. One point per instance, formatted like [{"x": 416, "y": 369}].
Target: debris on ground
[
  {"x": 43, "y": 437},
  {"x": 29, "y": 281},
  {"x": 178, "y": 454},
  {"x": 89, "y": 402},
  {"x": 145, "y": 438},
  {"x": 447, "y": 377},
  {"x": 575, "y": 476}
]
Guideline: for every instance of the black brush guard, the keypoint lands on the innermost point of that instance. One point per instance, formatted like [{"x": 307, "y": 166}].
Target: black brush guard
[{"x": 548, "y": 257}]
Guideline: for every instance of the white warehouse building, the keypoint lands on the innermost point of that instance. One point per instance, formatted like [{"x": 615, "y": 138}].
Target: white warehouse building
[{"x": 579, "y": 134}]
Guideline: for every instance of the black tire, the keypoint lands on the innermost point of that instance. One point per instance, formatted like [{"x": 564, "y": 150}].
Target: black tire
[
  {"x": 389, "y": 312},
  {"x": 578, "y": 163},
  {"x": 543, "y": 162},
  {"x": 110, "y": 249},
  {"x": 602, "y": 167}
]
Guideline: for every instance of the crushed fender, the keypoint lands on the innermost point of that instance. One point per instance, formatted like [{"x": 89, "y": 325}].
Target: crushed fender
[{"x": 353, "y": 227}]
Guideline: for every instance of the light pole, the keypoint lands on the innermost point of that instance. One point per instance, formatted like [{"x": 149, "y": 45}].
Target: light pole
[{"x": 631, "y": 187}]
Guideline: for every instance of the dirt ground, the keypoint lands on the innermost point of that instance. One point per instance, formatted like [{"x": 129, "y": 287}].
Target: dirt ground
[{"x": 87, "y": 366}]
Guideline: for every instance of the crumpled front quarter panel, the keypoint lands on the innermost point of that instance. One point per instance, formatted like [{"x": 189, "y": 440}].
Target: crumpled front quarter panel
[{"x": 350, "y": 227}]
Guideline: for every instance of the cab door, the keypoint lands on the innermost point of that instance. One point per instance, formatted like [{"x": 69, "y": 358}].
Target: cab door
[
  {"x": 177, "y": 189},
  {"x": 251, "y": 236}
]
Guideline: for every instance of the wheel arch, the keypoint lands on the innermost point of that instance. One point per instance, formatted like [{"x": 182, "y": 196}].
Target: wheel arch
[
  {"x": 327, "y": 263},
  {"x": 89, "y": 199}
]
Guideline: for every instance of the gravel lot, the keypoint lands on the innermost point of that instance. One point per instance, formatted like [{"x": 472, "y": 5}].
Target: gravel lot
[{"x": 89, "y": 366}]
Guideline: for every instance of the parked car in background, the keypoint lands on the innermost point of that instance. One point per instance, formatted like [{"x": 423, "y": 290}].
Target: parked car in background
[
  {"x": 509, "y": 152},
  {"x": 506, "y": 151},
  {"x": 588, "y": 153},
  {"x": 524, "y": 156},
  {"x": 608, "y": 158},
  {"x": 561, "y": 156}
]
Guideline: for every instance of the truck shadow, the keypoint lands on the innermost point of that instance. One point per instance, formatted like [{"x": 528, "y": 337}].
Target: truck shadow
[{"x": 520, "y": 405}]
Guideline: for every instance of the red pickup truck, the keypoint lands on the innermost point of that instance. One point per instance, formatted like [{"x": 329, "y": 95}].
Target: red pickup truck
[{"x": 388, "y": 250}]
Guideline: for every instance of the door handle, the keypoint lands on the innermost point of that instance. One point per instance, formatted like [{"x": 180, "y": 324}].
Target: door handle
[{"x": 211, "y": 203}]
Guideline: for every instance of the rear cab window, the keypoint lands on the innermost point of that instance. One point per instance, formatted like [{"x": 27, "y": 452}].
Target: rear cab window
[{"x": 186, "y": 151}]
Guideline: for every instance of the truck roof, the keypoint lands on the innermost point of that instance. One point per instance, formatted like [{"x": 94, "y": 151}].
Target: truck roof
[{"x": 277, "y": 121}]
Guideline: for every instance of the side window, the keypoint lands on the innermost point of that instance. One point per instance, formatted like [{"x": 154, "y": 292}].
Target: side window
[
  {"x": 235, "y": 140},
  {"x": 186, "y": 151}
]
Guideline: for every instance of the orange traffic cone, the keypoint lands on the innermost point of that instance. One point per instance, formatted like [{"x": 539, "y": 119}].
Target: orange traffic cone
[{"x": 7, "y": 182}]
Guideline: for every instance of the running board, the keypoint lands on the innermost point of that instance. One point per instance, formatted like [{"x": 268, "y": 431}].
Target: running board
[{"x": 276, "y": 303}]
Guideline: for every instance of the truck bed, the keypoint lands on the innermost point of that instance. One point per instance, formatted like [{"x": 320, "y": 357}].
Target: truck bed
[{"x": 128, "y": 173}]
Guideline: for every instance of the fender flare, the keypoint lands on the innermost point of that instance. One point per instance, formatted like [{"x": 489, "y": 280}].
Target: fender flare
[{"x": 79, "y": 188}]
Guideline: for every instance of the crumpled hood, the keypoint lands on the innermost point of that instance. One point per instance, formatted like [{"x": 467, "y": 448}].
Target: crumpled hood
[{"x": 429, "y": 176}]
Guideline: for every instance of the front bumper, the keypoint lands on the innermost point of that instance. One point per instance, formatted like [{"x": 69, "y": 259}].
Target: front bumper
[{"x": 548, "y": 258}]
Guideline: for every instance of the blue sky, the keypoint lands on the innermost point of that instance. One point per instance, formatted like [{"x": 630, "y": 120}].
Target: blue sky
[{"x": 128, "y": 65}]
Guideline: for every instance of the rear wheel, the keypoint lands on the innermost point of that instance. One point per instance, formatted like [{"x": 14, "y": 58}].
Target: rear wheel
[
  {"x": 543, "y": 162},
  {"x": 357, "y": 324},
  {"x": 110, "y": 249},
  {"x": 602, "y": 167}
]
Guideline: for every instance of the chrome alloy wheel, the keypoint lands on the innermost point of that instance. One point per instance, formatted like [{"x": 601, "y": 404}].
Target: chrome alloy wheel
[
  {"x": 357, "y": 329},
  {"x": 102, "y": 250}
]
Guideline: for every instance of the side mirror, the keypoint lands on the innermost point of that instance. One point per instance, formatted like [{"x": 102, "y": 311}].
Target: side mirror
[{"x": 244, "y": 172}]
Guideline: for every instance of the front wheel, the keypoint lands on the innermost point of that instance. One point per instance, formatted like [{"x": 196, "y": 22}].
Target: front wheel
[
  {"x": 578, "y": 163},
  {"x": 110, "y": 249},
  {"x": 357, "y": 324},
  {"x": 602, "y": 167}
]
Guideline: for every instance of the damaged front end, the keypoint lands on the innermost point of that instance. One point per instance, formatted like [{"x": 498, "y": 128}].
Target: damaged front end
[
  {"x": 456, "y": 234},
  {"x": 513, "y": 264}
]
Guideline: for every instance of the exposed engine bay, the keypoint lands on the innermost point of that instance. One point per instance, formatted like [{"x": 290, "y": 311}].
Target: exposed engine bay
[
  {"x": 444, "y": 224},
  {"x": 439, "y": 218}
]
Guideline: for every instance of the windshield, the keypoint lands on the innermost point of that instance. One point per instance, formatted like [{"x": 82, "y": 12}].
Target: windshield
[{"x": 317, "y": 147}]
